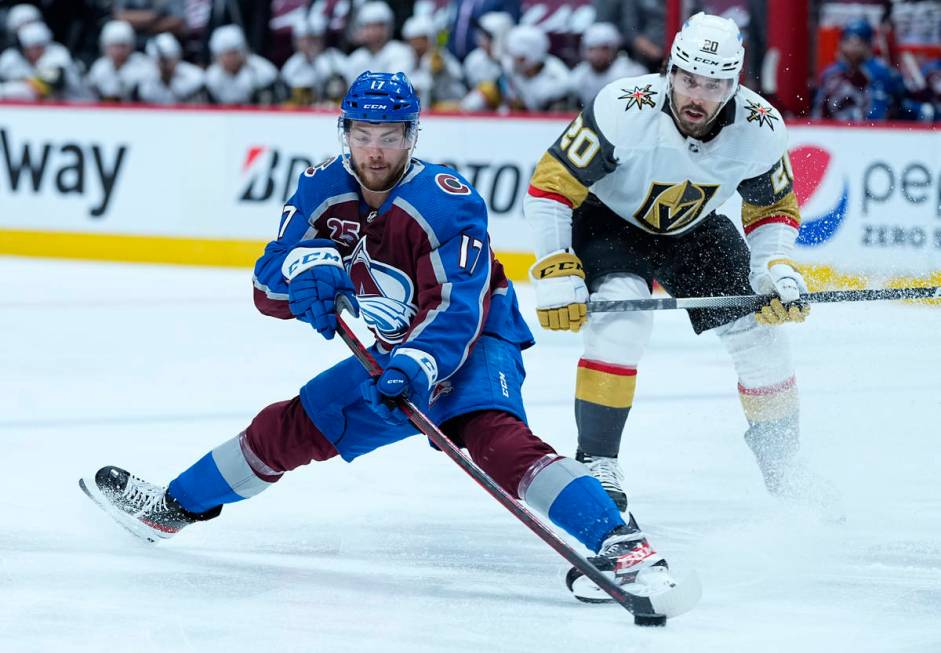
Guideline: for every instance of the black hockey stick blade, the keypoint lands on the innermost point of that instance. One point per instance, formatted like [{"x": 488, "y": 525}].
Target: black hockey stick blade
[
  {"x": 633, "y": 603},
  {"x": 755, "y": 301}
]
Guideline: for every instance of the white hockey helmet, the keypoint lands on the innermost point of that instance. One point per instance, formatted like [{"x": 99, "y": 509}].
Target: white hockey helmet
[
  {"x": 418, "y": 26},
  {"x": 34, "y": 34},
  {"x": 225, "y": 38},
  {"x": 20, "y": 15},
  {"x": 375, "y": 11},
  {"x": 317, "y": 22},
  {"x": 116, "y": 32},
  {"x": 164, "y": 46},
  {"x": 527, "y": 42},
  {"x": 710, "y": 46},
  {"x": 601, "y": 35}
]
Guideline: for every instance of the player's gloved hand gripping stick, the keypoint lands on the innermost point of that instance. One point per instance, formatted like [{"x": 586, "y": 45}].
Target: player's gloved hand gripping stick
[{"x": 641, "y": 606}]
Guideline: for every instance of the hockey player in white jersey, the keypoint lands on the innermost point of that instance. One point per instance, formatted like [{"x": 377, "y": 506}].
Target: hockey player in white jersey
[
  {"x": 535, "y": 79},
  {"x": 436, "y": 75},
  {"x": 237, "y": 76},
  {"x": 483, "y": 67},
  {"x": 602, "y": 63},
  {"x": 313, "y": 74},
  {"x": 378, "y": 50},
  {"x": 628, "y": 194},
  {"x": 115, "y": 75},
  {"x": 37, "y": 67},
  {"x": 171, "y": 80}
]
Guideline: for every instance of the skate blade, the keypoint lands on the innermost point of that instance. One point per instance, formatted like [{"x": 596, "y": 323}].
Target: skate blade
[
  {"x": 674, "y": 601},
  {"x": 133, "y": 526}
]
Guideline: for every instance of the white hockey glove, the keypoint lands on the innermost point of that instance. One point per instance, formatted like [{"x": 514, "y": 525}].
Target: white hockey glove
[
  {"x": 779, "y": 277},
  {"x": 561, "y": 294}
]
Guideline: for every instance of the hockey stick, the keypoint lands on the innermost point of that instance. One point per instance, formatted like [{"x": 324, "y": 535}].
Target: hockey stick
[
  {"x": 640, "y": 606},
  {"x": 754, "y": 301}
]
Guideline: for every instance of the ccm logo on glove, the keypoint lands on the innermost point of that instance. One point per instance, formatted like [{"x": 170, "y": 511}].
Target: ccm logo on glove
[{"x": 304, "y": 258}]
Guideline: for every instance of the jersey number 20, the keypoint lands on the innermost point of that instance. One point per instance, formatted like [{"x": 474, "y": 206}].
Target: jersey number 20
[{"x": 580, "y": 143}]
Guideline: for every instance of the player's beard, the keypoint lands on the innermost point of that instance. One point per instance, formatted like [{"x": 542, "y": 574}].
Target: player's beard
[
  {"x": 698, "y": 123},
  {"x": 379, "y": 176}
]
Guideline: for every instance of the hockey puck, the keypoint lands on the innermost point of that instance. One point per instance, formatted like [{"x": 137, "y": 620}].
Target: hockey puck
[{"x": 650, "y": 620}]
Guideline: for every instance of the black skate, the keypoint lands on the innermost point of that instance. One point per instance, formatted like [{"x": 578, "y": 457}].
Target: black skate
[
  {"x": 142, "y": 508},
  {"x": 628, "y": 557},
  {"x": 609, "y": 474}
]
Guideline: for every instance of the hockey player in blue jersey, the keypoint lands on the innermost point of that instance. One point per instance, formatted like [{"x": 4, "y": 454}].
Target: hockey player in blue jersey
[{"x": 406, "y": 240}]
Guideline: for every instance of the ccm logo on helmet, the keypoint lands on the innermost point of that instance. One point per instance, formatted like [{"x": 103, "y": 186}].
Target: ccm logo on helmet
[
  {"x": 451, "y": 184},
  {"x": 374, "y": 106}
]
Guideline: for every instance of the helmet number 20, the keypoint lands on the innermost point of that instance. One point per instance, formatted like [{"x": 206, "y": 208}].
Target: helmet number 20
[{"x": 580, "y": 143}]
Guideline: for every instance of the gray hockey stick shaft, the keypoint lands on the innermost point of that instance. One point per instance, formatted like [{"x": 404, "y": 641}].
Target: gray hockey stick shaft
[
  {"x": 754, "y": 301},
  {"x": 637, "y": 605}
]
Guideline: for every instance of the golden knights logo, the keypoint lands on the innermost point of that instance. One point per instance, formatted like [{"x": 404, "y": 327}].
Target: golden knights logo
[
  {"x": 669, "y": 207},
  {"x": 760, "y": 113},
  {"x": 638, "y": 97}
]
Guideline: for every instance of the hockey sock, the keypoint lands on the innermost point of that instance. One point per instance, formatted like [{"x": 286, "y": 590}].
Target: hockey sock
[
  {"x": 564, "y": 491},
  {"x": 224, "y": 475},
  {"x": 604, "y": 393}
]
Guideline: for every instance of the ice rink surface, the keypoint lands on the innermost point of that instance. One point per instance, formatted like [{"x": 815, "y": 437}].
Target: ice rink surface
[{"x": 149, "y": 367}]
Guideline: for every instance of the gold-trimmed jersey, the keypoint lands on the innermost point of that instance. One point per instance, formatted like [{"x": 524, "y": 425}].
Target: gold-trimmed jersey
[{"x": 625, "y": 149}]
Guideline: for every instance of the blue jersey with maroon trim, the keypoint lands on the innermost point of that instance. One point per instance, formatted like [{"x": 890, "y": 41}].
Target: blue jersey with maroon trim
[{"x": 422, "y": 266}]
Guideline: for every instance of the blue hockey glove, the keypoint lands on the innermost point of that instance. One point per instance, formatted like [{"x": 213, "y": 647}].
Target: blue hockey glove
[
  {"x": 403, "y": 376},
  {"x": 315, "y": 275}
]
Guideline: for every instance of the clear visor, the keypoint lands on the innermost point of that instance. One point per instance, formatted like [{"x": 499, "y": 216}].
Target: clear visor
[
  {"x": 701, "y": 88},
  {"x": 385, "y": 136}
]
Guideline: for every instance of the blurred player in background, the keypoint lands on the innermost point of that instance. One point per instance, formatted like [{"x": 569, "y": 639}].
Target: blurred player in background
[
  {"x": 407, "y": 241},
  {"x": 436, "y": 74},
  {"x": 602, "y": 63},
  {"x": 115, "y": 76},
  {"x": 628, "y": 194},
  {"x": 378, "y": 50},
  {"x": 171, "y": 80},
  {"x": 38, "y": 68},
  {"x": 483, "y": 67},
  {"x": 314, "y": 74},
  {"x": 536, "y": 80},
  {"x": 236, "y": 75}
]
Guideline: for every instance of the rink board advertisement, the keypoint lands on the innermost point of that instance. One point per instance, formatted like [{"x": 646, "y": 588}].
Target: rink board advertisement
[{"x": 206, "y": 186}]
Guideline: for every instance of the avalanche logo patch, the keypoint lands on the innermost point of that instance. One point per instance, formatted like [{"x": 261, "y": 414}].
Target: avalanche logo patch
[
  {"x": 386, "y": 295},
  {"x": 760, "y": 113},
  {"x": 451, "y": 184},
  {"x": 638, "y": 97},
  {"x": 811, "y": 164}
]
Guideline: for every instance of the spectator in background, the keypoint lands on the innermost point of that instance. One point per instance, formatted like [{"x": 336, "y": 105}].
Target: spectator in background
[
  {"x": 536, "y": 80},
  {"x": 115, "y": 75},
  {"x": 436, "y": 74},
  {"x": 237, "y": 76},
  {"x": 858, "y": 86},
  {"x": 483, "y": 70},
  {"x": 378, "y": 51},
  {"x": 37, "y": 68},
  {"x": 170, "y": 80},
  {"x": 313, "y": 74},
  {"x": 466, "y": 16},
  {"x": 602, "y": 62},
  {"x": 642, "y": 24},
  {"x": 151, "y": 17}
]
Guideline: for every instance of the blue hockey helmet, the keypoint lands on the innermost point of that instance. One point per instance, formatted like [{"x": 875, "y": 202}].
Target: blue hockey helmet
[
  {"x": 858, "y": 27},
  {"x": 381, "y": 97}
]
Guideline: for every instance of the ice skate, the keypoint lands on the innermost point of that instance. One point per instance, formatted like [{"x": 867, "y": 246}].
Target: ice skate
[
  {"x": 142, "y": 508},
  {"x": 786, "y": 475},
  {"x": 609, "y": 474},
  {"x": 634, "y": 564}
]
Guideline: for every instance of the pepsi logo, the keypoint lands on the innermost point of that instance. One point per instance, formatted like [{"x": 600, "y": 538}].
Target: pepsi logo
[{"x": 811, "y": 167}]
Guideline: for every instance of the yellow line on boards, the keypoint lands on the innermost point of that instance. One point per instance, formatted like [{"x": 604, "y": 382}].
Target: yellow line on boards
[{"x": 243, "y": 254}]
